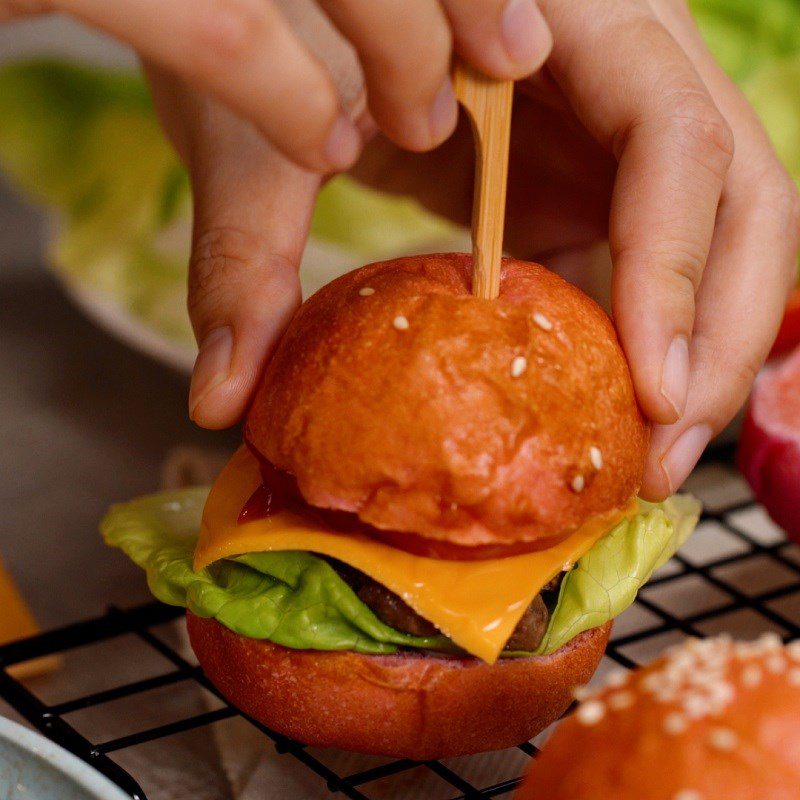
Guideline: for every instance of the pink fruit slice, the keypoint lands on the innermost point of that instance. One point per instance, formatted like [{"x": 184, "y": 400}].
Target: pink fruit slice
[
  {"x": 769, "y": 448},
  {"x": 789, "y": 334}
]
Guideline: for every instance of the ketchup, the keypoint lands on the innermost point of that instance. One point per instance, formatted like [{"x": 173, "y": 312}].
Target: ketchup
[{"x": 277, "y": 492}]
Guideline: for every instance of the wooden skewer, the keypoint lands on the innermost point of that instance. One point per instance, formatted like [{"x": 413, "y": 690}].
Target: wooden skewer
[{"x": 488, "y": 103}]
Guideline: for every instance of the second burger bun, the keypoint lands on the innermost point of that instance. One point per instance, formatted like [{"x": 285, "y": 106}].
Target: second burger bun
[
  {"x": 399, "y": 396},
  {"x": 712, "y": 720},
  {"x": 405, "y": 705}
]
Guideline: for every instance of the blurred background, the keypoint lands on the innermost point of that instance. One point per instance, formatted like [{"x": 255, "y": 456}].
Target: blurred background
[{"x": 94, "y": 236}]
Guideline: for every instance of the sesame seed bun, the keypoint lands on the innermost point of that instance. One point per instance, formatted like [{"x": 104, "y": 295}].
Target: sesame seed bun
[
  {"x": 397, "y": 395},
  {"x": 406, "y": 705},
  {"x": 712, "y": 719}
]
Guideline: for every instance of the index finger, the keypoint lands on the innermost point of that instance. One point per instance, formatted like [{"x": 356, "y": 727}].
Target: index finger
[
  {"x": 244, "y": 53},
  {"x": 637, "y": 92},
  {"x": 752, "y": 265}
]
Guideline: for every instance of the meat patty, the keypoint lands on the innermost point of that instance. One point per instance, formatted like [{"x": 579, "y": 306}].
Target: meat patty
[
  {"x": 531, "y": 627},
  {"x": 393, "y": 611}
]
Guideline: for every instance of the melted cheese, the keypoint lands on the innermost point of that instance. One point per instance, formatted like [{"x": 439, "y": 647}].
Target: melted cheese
[{"x": 476, "y": 603}]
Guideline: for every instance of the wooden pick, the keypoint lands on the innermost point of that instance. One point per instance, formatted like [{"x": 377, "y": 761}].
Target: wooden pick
[{"x": 487, "y": 102}]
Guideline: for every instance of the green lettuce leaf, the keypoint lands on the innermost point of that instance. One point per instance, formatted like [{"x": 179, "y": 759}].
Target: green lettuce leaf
[
  {"x": 297, "y": 599},
  {"x": 85, "y": 142},
  {"x": 376, "y": 225},
  {"x": 743, "y": 34},
  {"x": 758, "y": 45},
  {"x": 607, "y": 579},
  {"x": 292, "y": 598},
  {"x": 774, "y": 91}
]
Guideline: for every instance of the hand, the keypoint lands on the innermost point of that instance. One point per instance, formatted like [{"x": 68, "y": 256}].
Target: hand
[
  {"x": 628, "y": 134},
  {"x": 633, "y": 133},
  {"x": 247, "y": 55}
]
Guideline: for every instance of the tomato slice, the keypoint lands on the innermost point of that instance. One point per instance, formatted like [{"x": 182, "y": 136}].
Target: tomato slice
[
  {"x": 279, "y": 490},
  {"x": 789, "y": 334}
]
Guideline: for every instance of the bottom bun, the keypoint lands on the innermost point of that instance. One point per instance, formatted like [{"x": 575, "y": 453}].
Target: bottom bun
[{"x": 405, "y": 705}]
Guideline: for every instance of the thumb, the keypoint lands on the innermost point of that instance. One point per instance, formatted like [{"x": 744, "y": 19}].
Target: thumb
[{"x": 252, "y": 212}]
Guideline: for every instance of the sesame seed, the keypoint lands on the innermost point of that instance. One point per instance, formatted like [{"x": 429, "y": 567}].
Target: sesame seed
[
  {"x": 722, "y": 695},
  {"x": 590, "y": 713},
  {"x": 776, "y": 664},
  {"x": 693, "y": 677},
  {"x": 619, "y": 701},
  {"x": 688, "y": 794},
  {"x": 743, "y": 650},
  {"x": 518, "y": 366},
  {"x": 581, "y": 693},
  {"x": 723, "y": 739},
  {"x": 794, "y": 676},
  {"x": 751, "y": 676},
  {"x": 617, "y": 678},
  {"x": 769, "y": 642},
  {"x": 400, "y": 322},
  {"x": 366, "y": 291},
  {"x": 675, "y": 724},
  {"x": 578, "y": 484},
  {"x": 542, "y": 321},
  {"x": 793, "y": 650},
  {"x": 696, "y": 706},
  {"x": 596, "y": 457}
]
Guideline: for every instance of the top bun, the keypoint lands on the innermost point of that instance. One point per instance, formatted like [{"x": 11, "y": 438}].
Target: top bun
[
  {"x": 712, "y": 719},
  {"x": 397, "y": 395}
]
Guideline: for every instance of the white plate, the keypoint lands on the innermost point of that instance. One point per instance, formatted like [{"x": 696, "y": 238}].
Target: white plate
[{"x": 33, "y": 768}]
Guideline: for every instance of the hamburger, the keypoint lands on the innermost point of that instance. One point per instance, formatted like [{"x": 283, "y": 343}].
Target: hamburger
[
  {"x": 433, "y": 518},
  {"x": 710, "y": 719}
]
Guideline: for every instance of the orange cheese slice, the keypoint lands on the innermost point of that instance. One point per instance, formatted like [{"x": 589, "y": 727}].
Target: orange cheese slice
[{"x": 476, "y": 603}]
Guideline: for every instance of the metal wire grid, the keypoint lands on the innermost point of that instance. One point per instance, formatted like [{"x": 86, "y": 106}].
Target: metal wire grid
[{"x": 50, "y": 718}]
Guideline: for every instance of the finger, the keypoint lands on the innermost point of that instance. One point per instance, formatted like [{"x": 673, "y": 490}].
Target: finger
[
  {"x": 673, "y": 148},
  {"x": 673, "y": 160},
  {"x": 14, "y": 9},
  {"x": 751, "y": 267},
  {"x": 252, "y": 211},
  {"x": 243, "y": 53},
  {"x": 503, "y": 38},
  {"x": 664, "y": 205},
  {"x": 405, "y": 51}
]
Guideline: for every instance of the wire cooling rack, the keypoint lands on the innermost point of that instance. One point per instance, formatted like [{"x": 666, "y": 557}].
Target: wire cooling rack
[{"x": 737, "y": 574}]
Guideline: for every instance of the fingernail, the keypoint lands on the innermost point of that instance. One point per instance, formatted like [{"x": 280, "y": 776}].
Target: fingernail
[
  {"x": 343, "y": 145},
  {"x": 526, "y": 35},
  {"x": 675, "y": 375},
  {"x": 443, "y": 113},
  {"x": 679, "y": 460},
  {"x": 212, "y": 367}
]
